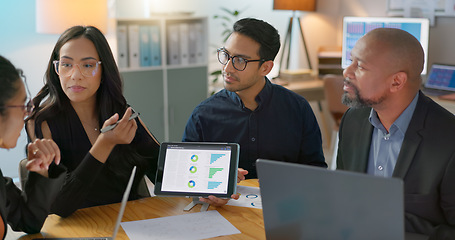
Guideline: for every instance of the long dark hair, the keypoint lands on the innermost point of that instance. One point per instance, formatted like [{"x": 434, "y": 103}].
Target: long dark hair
[
  {"x": 51, "y": 100},
  {"x": 109, "y": 94}
]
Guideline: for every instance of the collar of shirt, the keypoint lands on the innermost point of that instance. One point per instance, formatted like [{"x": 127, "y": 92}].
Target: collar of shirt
[
  {"x": 263, "y": 96},
  {"x": 402, "y": 121},
  {"x": 385, "y": 147}
]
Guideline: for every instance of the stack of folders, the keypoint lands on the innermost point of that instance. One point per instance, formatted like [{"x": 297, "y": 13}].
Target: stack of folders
[
  {"x": 138, "y": 45},
  {"x": 185, "y": 43}
]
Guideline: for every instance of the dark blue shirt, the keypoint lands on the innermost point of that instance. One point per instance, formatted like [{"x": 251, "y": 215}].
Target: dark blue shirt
[{"x": 283, "y": 127}]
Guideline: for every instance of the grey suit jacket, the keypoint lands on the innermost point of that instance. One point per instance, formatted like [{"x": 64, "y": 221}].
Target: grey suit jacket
[{"x": 426, "y": 163}]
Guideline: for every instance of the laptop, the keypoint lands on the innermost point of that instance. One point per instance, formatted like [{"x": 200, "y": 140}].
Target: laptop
[
  {"x": 307, "y": 202},
  {"x": 119, "y": 217},
  {"x": 440, "y": 80}
]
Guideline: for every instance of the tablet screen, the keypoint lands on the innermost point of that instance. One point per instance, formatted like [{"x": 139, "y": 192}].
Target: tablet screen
[{"x": 197, "y": 169}]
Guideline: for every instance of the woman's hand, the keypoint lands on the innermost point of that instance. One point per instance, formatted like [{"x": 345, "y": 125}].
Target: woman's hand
[
  {"x": 123, "y": 133},
  {"x": 41, "y": 153},
  {"x": 125, "y": 130}
]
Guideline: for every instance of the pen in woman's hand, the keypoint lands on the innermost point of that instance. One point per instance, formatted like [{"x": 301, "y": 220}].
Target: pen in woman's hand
[{"x": 112, "y": 126}]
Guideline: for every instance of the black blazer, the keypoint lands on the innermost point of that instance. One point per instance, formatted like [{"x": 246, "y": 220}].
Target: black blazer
[
  {"x": 27, "y": 210},
  {"x": 426, "y": 163}
]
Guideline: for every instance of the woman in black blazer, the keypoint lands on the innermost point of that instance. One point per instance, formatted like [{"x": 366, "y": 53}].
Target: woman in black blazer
[{"x": 24, "y": 210}]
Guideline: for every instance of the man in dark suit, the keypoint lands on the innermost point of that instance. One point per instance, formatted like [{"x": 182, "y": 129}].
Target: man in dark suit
[{"x": 393, "y": 130}]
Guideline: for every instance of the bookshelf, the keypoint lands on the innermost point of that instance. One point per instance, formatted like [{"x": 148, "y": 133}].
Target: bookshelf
[{"x": 165, "y": 76}]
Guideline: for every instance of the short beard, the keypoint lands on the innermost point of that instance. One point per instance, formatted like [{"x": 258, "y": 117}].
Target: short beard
[{"x": 357, "y": 101}]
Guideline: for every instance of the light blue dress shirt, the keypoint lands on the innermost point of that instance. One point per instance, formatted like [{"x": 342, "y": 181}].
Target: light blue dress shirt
[{"x": 385, "y": 146}]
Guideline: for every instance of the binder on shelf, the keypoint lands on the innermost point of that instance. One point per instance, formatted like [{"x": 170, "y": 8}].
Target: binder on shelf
[
  {"x": 192, "y": 42},
  {"x": 133, "y": 45},
  {"x": 144, "y": 46},
  {"x": 173, "y": 44},
  {"x": 184, "y": 52},
  {"x": 122, "y": 41},
  {"x": 200, "y": 43},
  {"x": 155, "y": 46}
]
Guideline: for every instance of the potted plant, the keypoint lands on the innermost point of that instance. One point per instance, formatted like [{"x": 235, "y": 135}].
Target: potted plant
[{"x": 228, "y": 18}]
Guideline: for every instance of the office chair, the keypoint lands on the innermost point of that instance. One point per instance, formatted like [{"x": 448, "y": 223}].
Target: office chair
[
  {"x": 333, "y": 90},
  {"x": 23, "y": 172}
]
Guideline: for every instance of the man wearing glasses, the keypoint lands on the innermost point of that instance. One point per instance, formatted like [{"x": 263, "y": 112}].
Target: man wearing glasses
[{"x": 267, "y": 120}]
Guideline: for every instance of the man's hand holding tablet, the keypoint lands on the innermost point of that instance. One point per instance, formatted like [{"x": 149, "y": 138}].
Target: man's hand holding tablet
[{"x": 218, "y": 202}]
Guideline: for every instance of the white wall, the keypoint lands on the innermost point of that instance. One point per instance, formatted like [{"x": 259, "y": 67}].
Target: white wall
[
  {"x": 442, "y": 44},
  {"x": 26, "y": 50}
]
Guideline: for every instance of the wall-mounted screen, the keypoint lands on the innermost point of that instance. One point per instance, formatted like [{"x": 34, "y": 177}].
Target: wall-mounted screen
[{"x": 355, "y": 27}]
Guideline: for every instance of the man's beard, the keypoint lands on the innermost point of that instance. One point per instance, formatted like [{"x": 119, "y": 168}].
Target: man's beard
[{"x": 357, "y": 101}]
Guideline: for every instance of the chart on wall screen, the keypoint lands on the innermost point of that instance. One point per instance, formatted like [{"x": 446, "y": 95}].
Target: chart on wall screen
[{"x": 196, "y": 170}]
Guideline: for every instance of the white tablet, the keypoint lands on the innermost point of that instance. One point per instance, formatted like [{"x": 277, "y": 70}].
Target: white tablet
[{"x": 197, "y": 169}]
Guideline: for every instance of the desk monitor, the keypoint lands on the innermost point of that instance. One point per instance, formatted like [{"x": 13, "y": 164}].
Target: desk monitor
[
  {"x": 197, "y": 169},
  {"x": 355, "y": 27}
]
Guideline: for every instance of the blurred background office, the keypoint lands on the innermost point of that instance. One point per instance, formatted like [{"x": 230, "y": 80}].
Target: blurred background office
[{"x": 27, "y": 49}]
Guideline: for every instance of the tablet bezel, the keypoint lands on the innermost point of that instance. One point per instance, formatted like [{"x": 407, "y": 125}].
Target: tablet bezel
[{"x": 232, "y": 181}]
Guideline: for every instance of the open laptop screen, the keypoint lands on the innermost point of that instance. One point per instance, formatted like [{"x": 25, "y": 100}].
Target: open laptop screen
[
  {"x": 126, "y": 194},
  {"x": 441, "y": 77},
  {"x": 307, "y": 202}
]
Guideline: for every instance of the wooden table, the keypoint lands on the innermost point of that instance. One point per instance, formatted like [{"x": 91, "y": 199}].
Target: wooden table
[
  {"x": 447, "y": 104},
  {"x": 100, "y": 220}
]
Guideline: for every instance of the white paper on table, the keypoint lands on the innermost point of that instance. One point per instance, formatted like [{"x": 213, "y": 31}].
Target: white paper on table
[
  {"x": 249, "y": 197},
  {"x": 187, "y": 226}
]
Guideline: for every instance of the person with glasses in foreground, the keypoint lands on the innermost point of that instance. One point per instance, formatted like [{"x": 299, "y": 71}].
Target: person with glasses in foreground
[
  {"x": 24, "y": 210},
  {"x": 267, "y": 120},
  {"x": 393, "y": 130},
  {"x": 81, "y": 95}
]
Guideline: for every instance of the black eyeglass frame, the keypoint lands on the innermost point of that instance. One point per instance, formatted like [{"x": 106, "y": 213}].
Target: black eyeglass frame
[
  {"x": 229, "y": 57},
  {"x": 28, "y": 107}
]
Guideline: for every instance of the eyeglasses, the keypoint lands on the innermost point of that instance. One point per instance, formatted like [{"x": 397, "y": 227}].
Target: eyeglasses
[
  {"x": 88, "y": 68},
  {"x": 28, "y": 107},
  {"x": 238, "y": 63}
]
